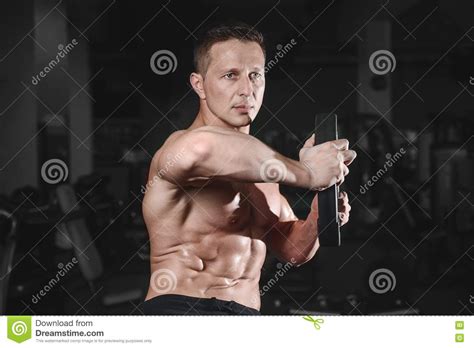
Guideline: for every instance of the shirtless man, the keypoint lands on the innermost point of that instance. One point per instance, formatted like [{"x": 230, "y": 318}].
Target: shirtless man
[{"x": 213, "y": 205}]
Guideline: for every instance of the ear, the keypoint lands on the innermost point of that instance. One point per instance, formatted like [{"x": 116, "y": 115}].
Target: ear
[{"x": 197, "y": 82}]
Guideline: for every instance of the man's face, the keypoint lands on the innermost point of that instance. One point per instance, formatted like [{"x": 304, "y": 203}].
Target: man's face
[{"x": 234, "y": 82}]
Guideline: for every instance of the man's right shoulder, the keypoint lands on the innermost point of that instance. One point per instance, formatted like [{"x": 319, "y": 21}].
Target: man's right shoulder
[
  {"x": 177, "y": 141},
  {"x": 172, "y": 160},
  {"x": 172, "y": 138}
]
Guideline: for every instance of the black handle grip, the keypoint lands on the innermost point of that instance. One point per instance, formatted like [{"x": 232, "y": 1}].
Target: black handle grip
[{"x": 328, "y": 221}]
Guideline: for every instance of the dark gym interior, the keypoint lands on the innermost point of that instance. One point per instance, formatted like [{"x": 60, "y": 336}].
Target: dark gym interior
[{"x": 77, "y": 140}]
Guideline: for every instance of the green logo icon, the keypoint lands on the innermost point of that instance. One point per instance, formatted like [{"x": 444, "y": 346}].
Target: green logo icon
[
  {"x": 460, "y": 325},
  {"x": 459, "y": 337},
  {"x": 19, "y": 328},
  {"x": 316, "y": 322}
]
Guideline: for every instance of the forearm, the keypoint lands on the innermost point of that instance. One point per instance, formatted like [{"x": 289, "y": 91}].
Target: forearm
[
  {"x": 234, "y": 156},
  {"x": 297, "y": 241}
]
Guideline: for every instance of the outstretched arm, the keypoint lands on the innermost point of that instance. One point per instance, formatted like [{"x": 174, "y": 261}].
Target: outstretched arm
[{"x": 215, "y": 152}]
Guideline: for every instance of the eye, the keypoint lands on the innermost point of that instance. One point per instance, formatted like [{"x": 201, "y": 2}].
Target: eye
[
  {"x": 229, "y": 76},
  {"x": 255, "y": 76}
]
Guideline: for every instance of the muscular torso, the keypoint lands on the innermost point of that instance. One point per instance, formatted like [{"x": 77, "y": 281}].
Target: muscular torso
[{"x": 208, "y": 239}]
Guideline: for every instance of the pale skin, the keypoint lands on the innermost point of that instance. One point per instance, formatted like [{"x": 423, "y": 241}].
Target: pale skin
[{"x": 210, "y": 214}]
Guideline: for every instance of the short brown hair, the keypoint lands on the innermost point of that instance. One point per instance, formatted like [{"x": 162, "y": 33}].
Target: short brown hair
[{"x": 219, "y": 33}]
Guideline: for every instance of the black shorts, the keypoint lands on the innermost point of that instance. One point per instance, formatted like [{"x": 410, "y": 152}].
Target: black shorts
[{"x": 172, "y": 304}]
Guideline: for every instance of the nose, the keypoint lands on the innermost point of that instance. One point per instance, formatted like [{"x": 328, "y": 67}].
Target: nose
[{"x": 246, "y": 87}]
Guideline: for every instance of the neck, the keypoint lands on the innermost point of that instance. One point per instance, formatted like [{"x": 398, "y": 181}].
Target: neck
[{"x": 206, "y": 118}]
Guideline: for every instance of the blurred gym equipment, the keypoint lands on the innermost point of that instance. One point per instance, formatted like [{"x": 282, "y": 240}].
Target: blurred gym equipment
[
  {"x": 7, "y": 250},
  {"x": 117, "y": 288}
]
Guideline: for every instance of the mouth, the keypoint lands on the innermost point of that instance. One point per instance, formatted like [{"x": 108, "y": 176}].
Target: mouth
[{"x": 243, "y": 108}]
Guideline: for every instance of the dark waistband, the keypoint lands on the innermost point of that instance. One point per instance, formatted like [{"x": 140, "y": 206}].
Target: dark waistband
[{"x": 169, "y": 304}]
